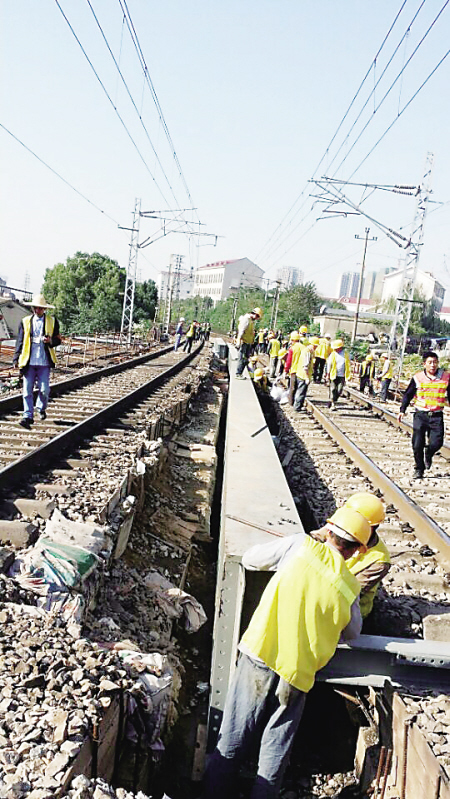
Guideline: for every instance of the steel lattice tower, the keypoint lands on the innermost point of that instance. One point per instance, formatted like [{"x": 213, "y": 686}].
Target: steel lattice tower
[
  {"x": 130, "y": 284},
  {"x": 405, "y": 297}
]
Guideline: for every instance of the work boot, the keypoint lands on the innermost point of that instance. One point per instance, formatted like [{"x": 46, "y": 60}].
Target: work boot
[
  {"x": 26, "y": 422},
  {"x": 42, "y": 415},
  {"x": 428, "y": 459},
  {"x": 418, "y": 474}
]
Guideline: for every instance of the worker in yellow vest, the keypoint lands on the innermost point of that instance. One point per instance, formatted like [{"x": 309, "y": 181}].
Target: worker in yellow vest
[
  {"x": 260, "y": 380},
  {"x": 385, "y": 375},
  {"x": 322, "y": 352},
  {"x": 260, "y": 338},
  {"x": 338, "y": 371},
  {"x": 282, "y": 355},
  {"x": 367, "y": 374},
  {"x": 274, "y": 349},
  {"x": 304, "y": 372},
  {"x": 430, "y": 388},
  {"x": 245, "y": 338},
  {"x": 35, "y": 355},
  {"x": 292, "y": 359},
  {"x": 309, "y": 603}
]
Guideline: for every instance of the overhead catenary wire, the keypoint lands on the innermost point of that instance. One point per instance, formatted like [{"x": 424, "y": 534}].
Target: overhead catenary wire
[
  {"x": 110, "y": 100},
  {"x": 344, "y": 117}
]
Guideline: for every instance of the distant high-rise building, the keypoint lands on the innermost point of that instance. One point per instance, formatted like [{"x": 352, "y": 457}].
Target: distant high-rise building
[
  {"x": 289, "y": 276},
  {"x": 348, "y": 284}
]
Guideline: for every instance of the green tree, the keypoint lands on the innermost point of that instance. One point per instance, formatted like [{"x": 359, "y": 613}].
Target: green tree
[{"x": 145, "y": 301}]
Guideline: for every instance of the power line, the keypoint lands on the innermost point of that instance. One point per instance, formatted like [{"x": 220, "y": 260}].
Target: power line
[
  {"x": 112, "y": 103},
  {"x": 131, "y": 99},
  {"x": 339, "y": 125},
  {"x": 140, "y": 54},
  {"x": 44, "y": 163}
]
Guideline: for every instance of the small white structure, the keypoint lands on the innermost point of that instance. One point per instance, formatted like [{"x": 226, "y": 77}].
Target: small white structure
[
  {"x": 186, "y": 284},
  {"x": 289, "y": 276},
  {"x": 425, "y": 282},
  {"x": 223, "y": 278}
]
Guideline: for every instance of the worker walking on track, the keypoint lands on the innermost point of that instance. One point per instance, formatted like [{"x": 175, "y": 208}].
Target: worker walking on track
[
  {"x": 178, "y": 333},
  {"x": 338, "y": 371},
  {"x": 304, "y": 372},
  {"x": 430, "y": 387},
  {"x": 190, "y": 336},
  {"x": 311, "y": 601},
  {"x": 385, "y": 375},
  {"x": 322, "y": 352},
  {"x": 367, "y": 374},
  {"x": 296, "y": 348},
  {"x": 35, "y": 355},
  {"x": 274, "y": 349},
  {"x": 245, "y": 338}
]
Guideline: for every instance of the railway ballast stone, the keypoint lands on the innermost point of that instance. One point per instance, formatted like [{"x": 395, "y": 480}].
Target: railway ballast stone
[{"x": 19, "y": 534}]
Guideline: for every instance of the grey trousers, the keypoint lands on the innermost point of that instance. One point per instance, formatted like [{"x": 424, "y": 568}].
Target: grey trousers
[{"x": 259, "y": 704}]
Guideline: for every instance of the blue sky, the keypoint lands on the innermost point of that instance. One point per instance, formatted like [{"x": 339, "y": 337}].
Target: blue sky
[{"x": 252, "y": 93}]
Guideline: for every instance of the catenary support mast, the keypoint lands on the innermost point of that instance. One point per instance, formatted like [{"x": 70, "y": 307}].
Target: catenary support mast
[{"x": 126, "y": 328}]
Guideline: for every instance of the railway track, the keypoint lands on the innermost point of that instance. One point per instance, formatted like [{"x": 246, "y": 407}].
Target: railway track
[{"x": 78, "y": 408}]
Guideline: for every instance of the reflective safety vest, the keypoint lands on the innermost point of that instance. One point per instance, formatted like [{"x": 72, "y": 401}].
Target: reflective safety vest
[
  {"x": 261, "y": 337},
  {"x": 360, "y": 561},
  {"x": 367, "y": 369},
  {"x": 190, "y": 333},
  {"x": 333, "y": 370},
  {"x": 324, "y": 349},
  {"x": 305, "y": 370},
  {"x": 25, "y": 354},
  {"x": 296, "y": 627},
  {"x": 297, "y": 351},
  {"x": 431, "y": 391},
  {"x": 248, "y": 335},
  {"x": 389, "y": 372},
  {"x": 274, "y": 348}
]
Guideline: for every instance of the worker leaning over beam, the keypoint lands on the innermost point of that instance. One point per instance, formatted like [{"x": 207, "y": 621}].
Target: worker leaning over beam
[
  {"x": 367, "y": 374},
  {"x": 35, "y": 355},
  {"x": 260, "y": 379},
  {"x": 338, "y": 371},
  {"x": 311, "y": 601},
  {"x": 322, "y": 352},
  {"x": 274, "y": 349},
  {"x": 385, "y": 374},
  {"x": 430, "y": 387},
  {"x": 371, "y": 565},
  {"x": 304, "y": 372},
  {"x": 295, "y": 350},
  {"x": 245, "y": 338}
]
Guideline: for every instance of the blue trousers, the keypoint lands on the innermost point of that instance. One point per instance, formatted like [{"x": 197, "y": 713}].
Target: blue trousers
[
  {"x": 300, "y": 394},
  {"x": 177, "y": 341},
  {"x": 41, "y": 376},
  {"x": 259, "y": 704}
]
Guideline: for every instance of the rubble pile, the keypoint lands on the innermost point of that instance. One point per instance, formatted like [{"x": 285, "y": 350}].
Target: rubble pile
[
  {"x": 53, "y": 689},
  {"x": 432, "y": 714},
  {"x": 83, "y": 788}
]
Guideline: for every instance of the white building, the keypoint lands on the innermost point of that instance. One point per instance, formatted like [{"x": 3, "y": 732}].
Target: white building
[
  {"x": 223, "y": 278},
  {"x": 425, "y": 282},
  {"x": 289, "y": 276},
  {"x": 183, "y": 284}
]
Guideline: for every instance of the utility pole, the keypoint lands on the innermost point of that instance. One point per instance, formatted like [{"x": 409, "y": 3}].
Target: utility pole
[
  {"x": 126, "y": 327},
  {"x": 168, "y": 302},
  {"x": 233, "y": 314},
  {"x": 361, "y": 279},
  {"x": 276, "y": 300},
  {"x": 177, "y": 261}
]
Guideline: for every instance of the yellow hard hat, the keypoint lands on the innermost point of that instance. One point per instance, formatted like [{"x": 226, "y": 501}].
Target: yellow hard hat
[
  {"x": 295, "y": 336},
  {"x": 369, "y": 356},
  {"x": 368, "y": 505},
  {"x": 337, "y": 344},
  {"x": 253, "y": 358},
  {"x": 350, "y": 524},
  {"x": 314, "y": 340},
  {"x": 257, "y": 311},
  {"x": 303, "y": 329},
  {"x": 282, "y": 352},
  {"x": 258, "y": 374}
]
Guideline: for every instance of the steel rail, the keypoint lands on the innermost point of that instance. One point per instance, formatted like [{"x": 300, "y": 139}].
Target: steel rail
[
  {"x": 14, "y": 402},
  {"x": 425, "y": 528},
  {"x": 390, "y": 417},
  {"x": 41, "y": 457}
]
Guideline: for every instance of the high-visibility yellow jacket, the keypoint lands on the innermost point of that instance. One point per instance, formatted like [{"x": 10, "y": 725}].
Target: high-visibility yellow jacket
[
  {"x": 190, "y": 333},
  {"x": 305, "y": 365},
  {"x": 389, "y": 373},
  {"x": 274, "y": 348},
  {"x": 431, "y": 391},
  {"x": 25, "y": 353},
  {"x": 261, "y": 336},
  {"x": 324, "y": 349},
  {"x": 367, "y": 368},
  {"x": 247, "y": 336},
  {"x": 333, "y": 369},
  {"x": 360, "y": 561},
  {"x": 296, "y": 627},
  {"x": 297, "y": 351}
]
